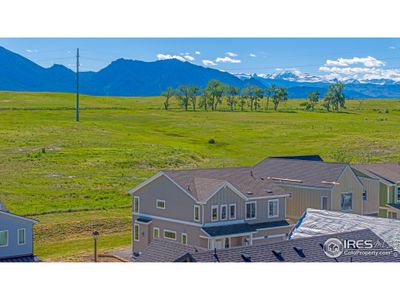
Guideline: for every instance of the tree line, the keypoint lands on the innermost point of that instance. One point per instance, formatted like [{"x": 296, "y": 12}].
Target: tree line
[{"x": 212, "y": 96}]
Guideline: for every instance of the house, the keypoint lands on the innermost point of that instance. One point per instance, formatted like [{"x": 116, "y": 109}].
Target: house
[
  {"x": 388, "y": 177},
  {"x": 316, "y": 222},
  {"x": 310, "y": 249},
  {"x": 314, "y": 183},
  {"x": 209, "y": 208},
  {"x": 16, "y": 237}
]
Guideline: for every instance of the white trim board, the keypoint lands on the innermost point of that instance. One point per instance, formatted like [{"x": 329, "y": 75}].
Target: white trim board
[{"x": 18, "y": 217}]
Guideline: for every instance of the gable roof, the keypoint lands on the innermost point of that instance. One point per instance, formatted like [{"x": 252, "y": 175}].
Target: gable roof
[
  {"x": 300, "y": 172},
  {"x": 202, "y": 183},
  {"x": 2, "y": 212},
  {"x": 295, "y": 250},
  {"x": 315, "y": 222},
  {"x": 387, "y": 171}
]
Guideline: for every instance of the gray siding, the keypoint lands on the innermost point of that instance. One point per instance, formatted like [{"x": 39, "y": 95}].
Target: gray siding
[
  {"x": 179, "y": 205},
  {"x": 12, "y": 224}
]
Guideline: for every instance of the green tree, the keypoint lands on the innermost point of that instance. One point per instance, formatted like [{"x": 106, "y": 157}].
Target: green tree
[
  {"x": 253, "y": 94},
  {"x": 168, "y": 94},
  {"x": 279, "y": 96},
  {"x": 243, "y": 99},
  {"x": 334, "y": 98},
  {"x": 183, "y": 94},
  {"x": 194, "y": 90},
  {"x": 215, "y": 89},
  {"x": 204, "y": 99},
  {"x": 231, "y": 93},
  {"x": 258, "y": 95},
  {"x": 313, "y": 98},
  {"x": 269, "y": 92}
]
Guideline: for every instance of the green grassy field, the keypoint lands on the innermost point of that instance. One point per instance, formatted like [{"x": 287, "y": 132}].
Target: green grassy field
[{"x": 74, "y": 177}]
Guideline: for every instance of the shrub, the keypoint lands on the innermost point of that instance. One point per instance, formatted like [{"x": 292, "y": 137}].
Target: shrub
[{"x": 211, "y": 141}]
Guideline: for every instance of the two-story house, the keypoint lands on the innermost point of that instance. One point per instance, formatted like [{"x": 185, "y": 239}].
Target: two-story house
[
  {"x": 209, "y": 208},
  {"x": 388, "y": 177},
  {"x": 16, "y": 237}
]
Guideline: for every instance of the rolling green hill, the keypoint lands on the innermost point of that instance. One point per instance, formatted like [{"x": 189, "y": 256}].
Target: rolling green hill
[{"x": 73, "y": 177}]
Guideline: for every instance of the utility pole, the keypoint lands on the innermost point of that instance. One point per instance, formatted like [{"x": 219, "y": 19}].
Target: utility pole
[{"x": 77, "y": 84}]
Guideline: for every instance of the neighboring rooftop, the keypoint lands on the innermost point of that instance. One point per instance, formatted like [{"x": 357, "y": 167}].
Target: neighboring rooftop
[
  {"x": 23, "y": 259},
  {"x": 316, "y": 222},
  {"x": 295, "y": 250},
  {"x": 300, "y": 172},
  {"x": 202, "y": 183},
  {"x": 161, "y": 250},
  {"x": 386, "y": 171},
  {"x": 312, "y": 157}
]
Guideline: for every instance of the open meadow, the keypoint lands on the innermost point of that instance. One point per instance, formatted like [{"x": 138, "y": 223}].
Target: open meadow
[{"x": 74, "y": 177}]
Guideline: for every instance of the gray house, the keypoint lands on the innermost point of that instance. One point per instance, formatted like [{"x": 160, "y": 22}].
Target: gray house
[
  {"x": 209, "y": 209},
  {"x": 16, "y": 237}
]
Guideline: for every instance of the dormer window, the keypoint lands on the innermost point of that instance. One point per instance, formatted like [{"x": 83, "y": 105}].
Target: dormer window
[{"x": 160, "y": 204}]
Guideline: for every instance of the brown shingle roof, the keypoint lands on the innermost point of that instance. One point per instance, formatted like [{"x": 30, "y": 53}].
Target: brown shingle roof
[
  {"x": 387, "y": 171},
  {"x": 300, "y": 172},
  {"x": 201, "y": 183}
]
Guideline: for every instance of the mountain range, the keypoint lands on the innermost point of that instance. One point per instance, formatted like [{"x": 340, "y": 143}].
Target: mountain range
[{"x": 138, "y": 78}]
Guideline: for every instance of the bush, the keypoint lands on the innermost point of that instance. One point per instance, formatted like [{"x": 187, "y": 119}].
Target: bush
[
  {"x": 386, "y": 110},
  {"x": 211, "y": 141}
]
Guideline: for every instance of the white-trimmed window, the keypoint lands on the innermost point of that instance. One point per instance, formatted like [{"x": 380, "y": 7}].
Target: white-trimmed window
[
  {"x": 324, "y": 202},
  {"x": 160, "y": 204},
  {"x": 224, "y": 212},
  {"x": 4, "y": 238},
  {"x": 136, "y": 204},
  {"x": 398, "y": 194},
  {"x": 196, "y": 213},
  {"x": 251, "y": 210},
  {"x": 232, "y": 211},
  {"x": 156, "y": 232},
  {"x": 273, "y": 208},
  {"x": 365, "y": 195},
  {"x": 169, "y": 234},
  {"x": 214, "y": 213},
  {"x": 21, "y": 236},
  {"x": 184, "y": 238},
  {"x": 136, "y": 232},
  {"x": 346, "y": 203}
]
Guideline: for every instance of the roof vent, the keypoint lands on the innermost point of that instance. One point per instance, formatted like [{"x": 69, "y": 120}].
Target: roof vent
[
  {"x": 262, "y": 178},
  {"x": 269, "y": 191},
  {"x": 278, "y": 255},
  {"x": 249, "y": 193},
  {"x": 188, "y": 187},
  {"x": 299, "y": 251},
  {"x": 246, "y": 257}
]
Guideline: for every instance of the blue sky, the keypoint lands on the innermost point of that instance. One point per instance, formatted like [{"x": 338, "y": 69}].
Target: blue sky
[{"x": 344, "y": 58}]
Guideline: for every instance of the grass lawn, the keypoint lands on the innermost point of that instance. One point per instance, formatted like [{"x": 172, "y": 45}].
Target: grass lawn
[{"x": 74, "y": 177}]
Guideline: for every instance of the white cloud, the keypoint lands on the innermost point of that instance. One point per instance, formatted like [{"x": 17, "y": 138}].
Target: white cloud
[
  {"x": 231, "y": 54},
  {"x": 392, "y": 47},
  {"x": 360, "y": 73},
  {"x": 252, "y": 55},
  {"x": 31, "y": 51},
  {"x": 227, "y": 59},
  {"x": 207, "y": 62},
  {"x": 368, "y": 61},
  {"x": 197, "y": 53},
  {"x": 169, "y": 56},
  {"x": 189, "y": 58}
]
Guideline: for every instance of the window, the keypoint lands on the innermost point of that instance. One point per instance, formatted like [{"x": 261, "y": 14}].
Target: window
[
  {"x": 398, "y": 194},
  {"x": 224, "y": 212},
  {"x": 250, "y": 210},
  {"x": 136, "y": 204},
  {"x": 365, "y": 196},
  {"x": 197, "y": 213},
  {"x": 232, "y": 211},
  {"x": 21, "y": 236},
  {"x": 347, "y": 201},
  {"x": 227, "y": 243},
  {"x": 214, "y": 213},
  {"x": 273, "y": 208},
  {"x": 156, "y": 232},
  {"x": 324, "y": 202},
  {"x": 168, "y": 234},
  {"x": 160, "y": 204},
  {"x": 136, "y": 232},
  {"x": 4, "y": 238},
  {"x": 184, "y": 238}
]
